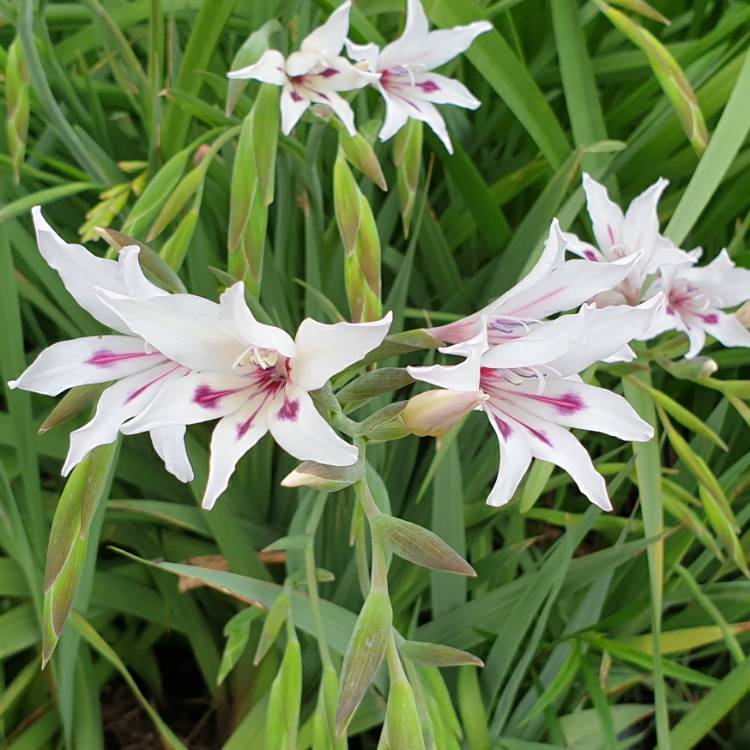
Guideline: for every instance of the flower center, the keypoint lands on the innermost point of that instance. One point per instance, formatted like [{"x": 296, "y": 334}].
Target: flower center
[{"x": 690, "y": 303}]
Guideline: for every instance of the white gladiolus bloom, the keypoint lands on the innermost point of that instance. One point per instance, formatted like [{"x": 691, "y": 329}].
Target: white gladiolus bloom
[
  {"x": 405, "y": 68},
  {"x": 315, "y": 74},
  {"x": 254, "y": 378}
]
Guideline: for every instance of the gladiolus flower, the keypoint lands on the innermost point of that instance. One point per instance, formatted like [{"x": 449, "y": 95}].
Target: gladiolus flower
[
  {"x": 405, "y": 78},
  {"x": 254, "y": 378},
  {"x": 314, "y": 74},
  {"x": 532, "y": 393},
  {"x": 695, "y": 298},
  {"x": 621, "y": 235}
]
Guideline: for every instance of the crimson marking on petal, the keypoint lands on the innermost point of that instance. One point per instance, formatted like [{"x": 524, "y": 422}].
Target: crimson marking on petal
[
  {"x": 329, "y": 73},
  {"x": 429, "y": 87},
  {"x": 711, "y": 319},
  {"x": 210, "y": 398},
  {"x": 295, "y": 96},
  {"x": 504, "y": 427},
  {"x": 670, "y": 310},
  {"x": 289, "y": 410},
  {"x": 108, "y": 358},
  {"x": 568, "y": 403},
  {"x": 590, "y": 255},
  {"x": 243, "y": 427},
  {"x": 144, "y": 388},
  {"x": 538, "y": 434},
  {"x": 611, "y": 234}
]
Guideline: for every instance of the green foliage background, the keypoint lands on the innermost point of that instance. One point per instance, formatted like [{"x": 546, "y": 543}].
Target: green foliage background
[{"x": 631, "y": 626}]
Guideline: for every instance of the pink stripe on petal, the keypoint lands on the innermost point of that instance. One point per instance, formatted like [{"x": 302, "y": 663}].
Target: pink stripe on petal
[
  {"x": 209, "y": 398},
  {"x": 429, "y": 87},
  {"x": 503, "y": 426},
  {"x": 568, "y": 403},
  {"x": 711, "y": 319},
  {"x": 329, "y": 73},
  {"x": 108, "y": 358},
  {"x": 140, "y": 391}
]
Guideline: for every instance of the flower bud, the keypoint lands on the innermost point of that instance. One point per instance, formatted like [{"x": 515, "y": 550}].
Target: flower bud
[
  {"x": 323, "y": 477},
  {"x": 743, "y": 315},
  {"x": 274, "y": 620},
  {"x": 364, "y": 654},
  {"x": 403, "y": 729},
  {"x": 434, "y": 413},
  {"x": 691, "y": 369}
]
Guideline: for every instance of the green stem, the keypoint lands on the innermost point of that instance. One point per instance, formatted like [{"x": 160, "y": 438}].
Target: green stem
[{"x": 312, "y": 581}]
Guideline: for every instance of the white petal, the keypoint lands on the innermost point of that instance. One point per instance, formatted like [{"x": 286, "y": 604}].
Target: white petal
[
  {"x": 293, "y": 105},
  {"x": 605, "y": 331},
  {"x": 567, "y": 287},
  {"x": 232, "y": 437},
  {"x": 237, "y": 321},
  {"x": 396, "y": 115},
  {"x": 572, "y": 403},
  {"x": 641, "y": 224},
  {"x": 195, "y": 397},
  {"x": 428, "y": 113},
  {"x": 545, "y": 343},
  {"x": 181, "y": 326},
  {"x": 460, "y": 377},
  {"x": 80, "y": 271},
  {"x": 268, "y": 69},
  {"x": 341, "y": 108},
  {"x": 439, "y": 89},
  {"x": 583, "y": 249},
  {"x": 515, "y": 458},
  {"x": 697, "y": 338},
  {"x": 339, "y": 75},
  {"x": 327, "y": 40},
  {"x": 410, "y": 43},
  {"x": 118, "y": 403},
  {"x": 445, "y": 44},
  {"x": 299, "y": 429},
  {"x": 666, "y": 253},
  {"x": 324, "y": 350},
  {"x": 727, "y": 329},
  {"x": 169, "y": 444},
  {"x": 549, "y": 442},
  {"x": 367, "y": 53},
  {"x": 606, "y": 216},
  {"x": 131, "y": 276},
  {"x": 94, "y": 359},
  {"x": 722, "y": 280}
]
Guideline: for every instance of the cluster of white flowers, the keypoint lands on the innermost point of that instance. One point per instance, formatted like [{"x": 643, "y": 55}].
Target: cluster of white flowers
[
  {"x": 401, "y": 72},
  {"x": 179, "y": 359}
]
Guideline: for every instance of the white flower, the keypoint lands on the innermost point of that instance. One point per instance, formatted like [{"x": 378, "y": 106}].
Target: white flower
[
  {"x": 139, "y": 371},
  {"x": 312, "y": 75},
  {"x": 252, "y": 377},
  {"x": 532, "y": 394},
  {"x": 694, "y": 300},
  {"x": 552, "y": 286},
  {"x": 405, "y": 78},
  {"x": 621, "y": 235}
]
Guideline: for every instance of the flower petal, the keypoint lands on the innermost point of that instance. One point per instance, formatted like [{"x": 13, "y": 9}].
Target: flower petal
[
  {"x": 605, "y": 331},
  {"x": 80, "y": 271},
  {"x": 236, "y": 320},
  {"x": 411, "y": 42},
  {"x": 293, "y": 106},
  {"x": 196, "y": 397},
  {"x": 131, "y": 276},
  {"x": 550, "y": 442},
  {"x": 324, "y": 350},
  {"x": 269, "y": 69},
  {"x": 727, "y": 329},
  {"x": 327, "y": 40},
  {"x": 722, "y": 280},
  {"x": 515, "y": 458},
  {"x": 232, "y": 437},
  {"x": 641, "y": 224},
  {"x": 93, "y": 359},
  {"x": 341, "y": 108},
  {"x": 119, "y": 402},
  {"x": 396, "y": 115},
  {"x": 571, "y": 403},
  {"x": 461, "y": 377},
  {"x": 606, "y": 216},
  {"x": 439, "y": 89},
  {"x": 299, "y": 429},
  {"x": 181, "y": 326},
  {"x": 367, "y": 53},
  {"x": 169, "y": 444}
]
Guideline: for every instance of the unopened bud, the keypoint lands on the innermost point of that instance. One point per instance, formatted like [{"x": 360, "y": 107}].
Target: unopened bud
[
  {"x": 403, "y": 728},
  {"x": 434, "y": 413},
  {"x": 385, "y": 425},
  {"x": 691, "y": 369},
  {"x": 364, "y": 654},
  {"x": 323, "y": 111},
  {"x": 323, "y": 477},
  {"x": 743, "y": 315}
]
